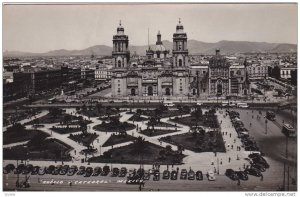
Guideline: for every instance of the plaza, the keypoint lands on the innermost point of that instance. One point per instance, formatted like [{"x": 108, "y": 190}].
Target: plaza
[{"x": 232, "y": 158}]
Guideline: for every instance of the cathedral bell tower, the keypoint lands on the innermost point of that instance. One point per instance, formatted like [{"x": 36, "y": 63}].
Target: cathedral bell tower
[
  {"x": 120, "y": 51},
  {"x": 180, "y": 51}
]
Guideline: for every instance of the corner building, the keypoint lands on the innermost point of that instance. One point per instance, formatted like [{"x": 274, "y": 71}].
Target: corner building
[{"x": 161, "y": 74}]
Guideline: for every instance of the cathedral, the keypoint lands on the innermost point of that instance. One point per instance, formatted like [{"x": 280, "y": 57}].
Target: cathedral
[{"x": 163, "y": 73}]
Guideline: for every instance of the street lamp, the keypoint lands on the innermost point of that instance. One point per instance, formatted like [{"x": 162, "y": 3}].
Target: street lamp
[{"x": 266, "y": 121}]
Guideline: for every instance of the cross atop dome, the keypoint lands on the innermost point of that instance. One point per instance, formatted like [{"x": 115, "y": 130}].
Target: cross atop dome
[
  {"x": 179, "y": 20},
  {"x": 120, "y": 23}
]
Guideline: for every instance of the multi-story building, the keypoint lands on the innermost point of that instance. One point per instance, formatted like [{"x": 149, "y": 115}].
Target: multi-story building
[
  {"x": 285, "y": 71},
  {"x": 87, "y": 74},
  {"x": 161, "y": 74},
  {"x": 257, "y": 71},
  {"x": 102, "y": 74}
]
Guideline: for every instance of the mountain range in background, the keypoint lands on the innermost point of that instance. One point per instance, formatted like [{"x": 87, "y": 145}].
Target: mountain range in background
[{"x": 195, "y": 48}]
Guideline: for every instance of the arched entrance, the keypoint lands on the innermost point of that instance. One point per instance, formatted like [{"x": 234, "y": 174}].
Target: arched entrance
[
  {"x": 168, "y": 92},
  {"x": 219, "y": 89},
  {"x": 132, "y": 92},
  {"x": 150, "y": 91}
]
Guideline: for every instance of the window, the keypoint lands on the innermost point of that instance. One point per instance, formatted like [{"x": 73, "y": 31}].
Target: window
[
  {"x": 180, "y": 62},
  {"x": 238, "y": 72},
  {"x": 204, "y": 72},
  {"x": 119, "y": 63}
]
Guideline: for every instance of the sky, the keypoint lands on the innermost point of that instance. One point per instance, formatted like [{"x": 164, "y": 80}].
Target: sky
[{"x": 41, "y": 28}]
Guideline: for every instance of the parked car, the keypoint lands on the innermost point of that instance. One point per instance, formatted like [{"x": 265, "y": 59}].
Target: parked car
[
  {"x": 42, "y": 171},
  {"x": 166, "y": 174},
  {"x": 242, "y": 175},
  {"x": 35, "y": 170},
  {"x": 199, "y": 175},
  {"x": 123, "y": 172},
  {"x": 131, "y": 173},
  {"x": 140, "y": 172},
  {"x": 183, "y": 174},
  {"x": 105, "y": 171},
  {"x": 260, "y": 160},
  {"x": 19, "y": 169},
  {"x": 72, "y": 170},
  {"x": 88, "y": 172},
  {"x": 191, "y": 175},
  {"x": 64, "y": 170},
  {"x": 8, "y": 168},
  {"x": 81, "y": 170},
  {"x": 50, "y": 169},
  {"x": 211, "y": 176},
  {"x": 57, "y": 170},
  {"x": 27, "y": 169},
  {"x": 174, "y": 175},
  {"x": 259, "y": 167},
  {"x": 231, "y": 174},
  {"x": 115, "y": 172},
  {"x": 253, "y": 172},
  {"x": 97, "y": 171},
  {"x": 156, "y": 175}
]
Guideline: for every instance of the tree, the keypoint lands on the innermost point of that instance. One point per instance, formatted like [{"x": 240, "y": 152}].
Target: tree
[
  {"x": 37, "y": 140},
  {"x": 54, "y": 112},
  {"x": 168, "y": 149},
  {"x": 16, "y": 128},
  {"x": 99, "y": 107},
  {"x": 139, "y": 145},
  {"x": 67, "y": 119},
  {"x": 83, "y": 127},
  {"x": 180, "y": 108}
]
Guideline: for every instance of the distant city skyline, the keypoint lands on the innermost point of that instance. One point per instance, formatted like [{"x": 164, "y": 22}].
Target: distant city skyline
[{"x": 41, "y": 28}]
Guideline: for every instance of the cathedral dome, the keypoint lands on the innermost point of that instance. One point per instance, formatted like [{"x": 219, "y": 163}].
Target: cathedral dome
[{"x": 159, "y": 48}]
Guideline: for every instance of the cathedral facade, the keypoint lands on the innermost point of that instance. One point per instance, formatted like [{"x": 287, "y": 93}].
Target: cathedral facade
[{"x": 163, "y": 73}]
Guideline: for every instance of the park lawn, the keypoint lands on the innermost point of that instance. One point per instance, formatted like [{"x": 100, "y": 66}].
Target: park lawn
[
  {"x": 198, "y": 143},
  {"x": 14, "y": 137},
  {"x": 95, "y": 113},
  {"x": 118, "y": 139},
  {"x": 165, "y": 114},
  {"x": 137, "y": 118},
  {"x": 85, "y": 139},
  {"x": 126, "y": 155},
  {"x": 50, "y": 150},
  {"x": 192, "y": 121},
  {"x": 150, "y": 133},
  {"x": 163, "y": 124},
  {"x": 49, "y": 119},
  {"x": 109, "y": 127},
  {"x": 65, "y": 130}
]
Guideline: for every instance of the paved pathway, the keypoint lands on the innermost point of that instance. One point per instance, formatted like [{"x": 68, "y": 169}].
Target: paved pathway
[{"x": 205, "y": 161}]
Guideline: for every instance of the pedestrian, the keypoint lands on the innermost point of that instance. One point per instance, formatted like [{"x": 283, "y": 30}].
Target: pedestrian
[
  {"x": 177, "y": 169},
  {"x": 70, "y": 183},
  {"x": 231, "y": 146},
  {"x": 234, "y": 140},
  {"x": 261, "y": 177},
  {"x": 230, "y": 135},
  {"x": 229, "y": 159},
  {"x": 244, "y": 166},
  {"x": 226, "y": 133},
  {"x": 38, "y": 180},
  {"x": 221, "y": 162},
  {"x": 239, "y": 182}
]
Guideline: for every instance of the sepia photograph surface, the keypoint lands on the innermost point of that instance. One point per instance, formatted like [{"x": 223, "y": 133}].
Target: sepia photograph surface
[{"x": 149, "y": 97}]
